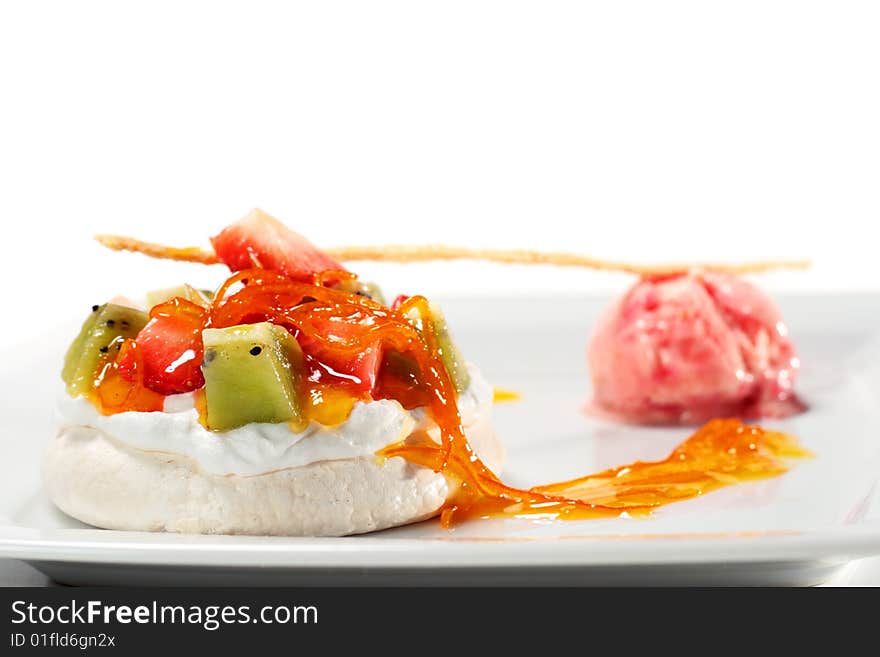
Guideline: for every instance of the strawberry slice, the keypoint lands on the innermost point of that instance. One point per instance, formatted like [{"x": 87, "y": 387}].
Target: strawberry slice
[
  {"x": 340, "y": 353},
  {"x": 263, "y": 241},
  {"x": 356, "y": 372},
  {"x": 171, "y": 348}
]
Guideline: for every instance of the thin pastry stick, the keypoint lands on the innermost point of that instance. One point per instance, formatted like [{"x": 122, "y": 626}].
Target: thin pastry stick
[
  {"x": 181, "y": 254},
  {"x": 439, "y": 252},
  {"x": 526, "y": 257}
]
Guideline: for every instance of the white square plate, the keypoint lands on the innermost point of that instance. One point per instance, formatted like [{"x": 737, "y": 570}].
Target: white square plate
[{"x": 795, "y": 529}]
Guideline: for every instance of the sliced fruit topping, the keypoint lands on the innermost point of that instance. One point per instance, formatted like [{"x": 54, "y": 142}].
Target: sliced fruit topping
[
  {"x": 341, "y": 341},
  {"x": 339, "y": 332},
  {"x": 449, "y": 353},
  {"x": 117, "y": 393},
  {"x": 97, "y": 343},
  {"x": 403, "y": 370},
  {"x": 252, "y": 374},
  {"x": 366, "y": 289},
  {"x": 171, "y": 347},
  {"x": 260, "y": 240},
  {"x": 339, "y": 352},
  {"x": 188, "y": 292},
  {"x": 327, "y": 404},
  {"x": 400, "y": 379}
]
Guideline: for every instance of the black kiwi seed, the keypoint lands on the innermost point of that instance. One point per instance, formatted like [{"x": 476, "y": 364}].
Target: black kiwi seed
[
  {"x": 104, "y": 350},
  {"x": 210, "y": 355},
  {"x": 111, "y": 323},
  {"x": 125, "y": 323},
  {"x": 256, "y": 351},
  {"x": 95, "y": 308}
]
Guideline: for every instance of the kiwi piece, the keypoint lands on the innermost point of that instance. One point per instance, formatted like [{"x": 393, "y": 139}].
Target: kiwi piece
[
  {"x": 372, "y": 290},
  {"x": 252, "y": 374},
  {"x": 201, "y": 297},
  {"x": 400, "y": 366},
  {"x": 102, "y": 331},
  {"x": 364, "y": 288},
  {"x": 449, "y": 353},
  {"x": 74, "y": 351}
]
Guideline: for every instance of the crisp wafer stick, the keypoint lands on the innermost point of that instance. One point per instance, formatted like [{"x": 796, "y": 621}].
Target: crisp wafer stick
[
  {"x": 525, "y": 257},
  {"x": 439, "y": 252},
  {"x": 182, "y": 254}
]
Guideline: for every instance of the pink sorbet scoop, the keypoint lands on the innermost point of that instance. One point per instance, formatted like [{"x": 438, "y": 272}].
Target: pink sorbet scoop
[{"x": 687, "y": 348}]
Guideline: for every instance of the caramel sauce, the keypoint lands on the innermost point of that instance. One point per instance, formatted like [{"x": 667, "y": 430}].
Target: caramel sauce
[
  {"x": 502, "y": 395},
  {"x": 327, "y": 404},
  {"x": 721, "y": 453},
  {"x": 114, "y": 391},
  {"x": 200, "y": 402}
]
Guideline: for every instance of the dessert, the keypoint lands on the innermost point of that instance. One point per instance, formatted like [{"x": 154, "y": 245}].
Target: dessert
[
  {"x": 293, "y": 400},
  {"x": 259, "y": 408},
  {"x": 689, "y": 347}
]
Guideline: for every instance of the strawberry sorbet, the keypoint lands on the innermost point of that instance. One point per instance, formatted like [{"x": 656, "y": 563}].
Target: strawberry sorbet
[{"x": 684, "y": 349}]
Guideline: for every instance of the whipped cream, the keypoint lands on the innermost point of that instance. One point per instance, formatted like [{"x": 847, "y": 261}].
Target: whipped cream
[{"x": 258, "y": 448}]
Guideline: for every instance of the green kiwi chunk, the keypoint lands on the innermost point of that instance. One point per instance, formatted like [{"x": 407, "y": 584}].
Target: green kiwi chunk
[
  {"x": 252, "y": 374},
  {"x": 200, "y": 297},
  {"x": 101, "y": 332},
  {"x": 364, "y": 288},
  {"x": 449, "y": 353},
  {"x": 406, "y": 368}
]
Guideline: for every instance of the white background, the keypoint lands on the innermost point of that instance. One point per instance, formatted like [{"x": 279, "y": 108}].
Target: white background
[{"x": 645, "y": 131}]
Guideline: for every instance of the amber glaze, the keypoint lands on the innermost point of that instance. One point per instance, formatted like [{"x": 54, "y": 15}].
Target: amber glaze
[
  {"x": 502, "y": 395},
  {"x": 115, "y": 392},
  {"x": 721, "y": 453}
]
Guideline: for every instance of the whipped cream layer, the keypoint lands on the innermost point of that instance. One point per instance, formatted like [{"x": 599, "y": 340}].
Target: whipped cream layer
[{"x": 258, "y": 448}]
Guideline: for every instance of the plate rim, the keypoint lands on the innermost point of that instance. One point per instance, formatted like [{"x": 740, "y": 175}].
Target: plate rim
[{"x": 842, "y": 543}]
